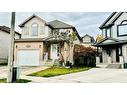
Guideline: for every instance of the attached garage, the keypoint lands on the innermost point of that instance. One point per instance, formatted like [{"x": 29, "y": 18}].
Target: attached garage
[{"x": 28, "y": 57}]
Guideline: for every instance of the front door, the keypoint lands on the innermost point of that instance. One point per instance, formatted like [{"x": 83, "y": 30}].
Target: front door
[
  {"x": 118, "y": 53},
  {"x": 54, "y": 51}
]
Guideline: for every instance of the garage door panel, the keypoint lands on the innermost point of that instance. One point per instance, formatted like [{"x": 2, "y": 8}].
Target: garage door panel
[{"x": 28, "y": 57}]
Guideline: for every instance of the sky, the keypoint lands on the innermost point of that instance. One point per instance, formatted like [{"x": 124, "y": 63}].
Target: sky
[{"x": 85, "y": 22}]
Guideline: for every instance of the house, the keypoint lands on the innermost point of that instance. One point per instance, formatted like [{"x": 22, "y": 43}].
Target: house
[
  {"x": 87, "y": 40},
  {"x": 41, "y": 41},
  {"x": 5, "y": 41},
  {"x": 114, "y": 43}
]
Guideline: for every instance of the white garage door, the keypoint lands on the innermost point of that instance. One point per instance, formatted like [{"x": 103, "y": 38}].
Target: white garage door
[{"x": 28, "y": 57}]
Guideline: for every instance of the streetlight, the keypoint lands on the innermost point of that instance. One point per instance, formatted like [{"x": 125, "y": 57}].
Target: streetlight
[{"x": 11, "y": 49}]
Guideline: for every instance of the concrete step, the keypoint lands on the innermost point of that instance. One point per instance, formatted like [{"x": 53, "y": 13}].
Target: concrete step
[{"x": 115, "y": 66}]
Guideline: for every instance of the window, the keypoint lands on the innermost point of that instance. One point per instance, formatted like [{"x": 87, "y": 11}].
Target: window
[
  {"x": 122, "y": 28},
  {"x": 34, "y": 29},
  {"x": 42, "y": 30},
  {"x": 108, "y": 32}
]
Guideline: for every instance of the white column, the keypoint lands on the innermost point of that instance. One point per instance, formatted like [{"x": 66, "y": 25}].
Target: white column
[
  {"x": 97, "y": 60},
  {"x": 109, "y": 60},
  {"x": 121, "y": 60}
]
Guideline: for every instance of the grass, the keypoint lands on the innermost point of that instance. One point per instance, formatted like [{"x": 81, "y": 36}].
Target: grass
[
  {"x": 56, "y": 71},
  {"x": 18, "y": 80}
]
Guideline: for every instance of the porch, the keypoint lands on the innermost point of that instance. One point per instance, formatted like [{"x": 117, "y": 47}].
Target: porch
[
  {"x": 55, "y": 49},
  {"x": 112, "y": 52}
]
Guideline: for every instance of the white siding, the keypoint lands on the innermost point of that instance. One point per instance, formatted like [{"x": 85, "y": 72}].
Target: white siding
[
  {"x": 111, "y": 19},
  {"x": 118, "y": 21},
  {"x": 4, "y": 43},
  {"x": 87, "y": 39}
]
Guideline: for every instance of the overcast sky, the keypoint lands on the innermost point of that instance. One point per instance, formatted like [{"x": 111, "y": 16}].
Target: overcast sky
[{"x": 85, "y": 22}]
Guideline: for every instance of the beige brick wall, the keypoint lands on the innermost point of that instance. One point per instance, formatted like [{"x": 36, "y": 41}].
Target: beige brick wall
[{"x": 29, "y": 46}]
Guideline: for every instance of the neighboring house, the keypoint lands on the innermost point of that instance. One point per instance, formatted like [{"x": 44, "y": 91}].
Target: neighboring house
[
  {"x": 87, "y": 41},
  {"x": 114, "y": 44},
  {"x": 5, "y": 41},
  {"x": 40, "y": 41}
]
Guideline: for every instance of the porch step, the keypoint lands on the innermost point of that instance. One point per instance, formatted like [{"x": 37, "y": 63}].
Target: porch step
[
  {"x": 114, "y": 66},
  {"x": 51, "y": 62}
]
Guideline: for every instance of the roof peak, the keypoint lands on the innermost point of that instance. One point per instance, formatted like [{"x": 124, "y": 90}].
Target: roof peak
[{"x": 29, "y": 18}]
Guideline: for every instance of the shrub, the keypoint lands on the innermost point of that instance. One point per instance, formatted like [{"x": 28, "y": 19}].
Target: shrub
[{"x": 84, "y": 56}]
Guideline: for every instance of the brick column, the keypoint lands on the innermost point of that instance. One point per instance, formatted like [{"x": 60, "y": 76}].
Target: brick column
[
  {"x": 109, "y": 60},
  {"x": 97, "y": 60}
]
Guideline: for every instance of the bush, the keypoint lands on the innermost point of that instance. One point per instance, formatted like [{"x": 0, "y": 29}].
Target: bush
[{"x": 84, "y": 56}]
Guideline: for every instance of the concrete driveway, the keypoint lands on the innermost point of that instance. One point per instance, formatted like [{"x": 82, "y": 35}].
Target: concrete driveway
[
  {"x": 23, "y": 70},
  {"x": 95, "y": 75}
]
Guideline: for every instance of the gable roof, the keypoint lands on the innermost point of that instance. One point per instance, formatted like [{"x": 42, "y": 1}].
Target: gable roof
[
  {"x": 31, "y": 17},
  {"x": 56, "y": 24},
  {"x": 107, "y": 19},
  {"x": 7, "y": 29},
  {"x": 112, "y": 22},
  {"x": 87, "y": 35},
  {"x": 118, "y": 15},
  {"x": 92, "y": 38},
  {"x": 59, "y": 24}
]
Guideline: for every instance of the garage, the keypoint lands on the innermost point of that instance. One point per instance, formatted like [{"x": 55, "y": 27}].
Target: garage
[{"x": 28, "y": 57}]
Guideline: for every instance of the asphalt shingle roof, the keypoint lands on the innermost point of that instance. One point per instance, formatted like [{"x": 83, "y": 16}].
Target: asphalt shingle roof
[
  {"x": 7, "y": 29},
  {"x": 59, "y": 24}
]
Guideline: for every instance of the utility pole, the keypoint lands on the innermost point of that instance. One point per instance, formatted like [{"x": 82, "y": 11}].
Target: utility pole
[{"x": 11, "y": 49}]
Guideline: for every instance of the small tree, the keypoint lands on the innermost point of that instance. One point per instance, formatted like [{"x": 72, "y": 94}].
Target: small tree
[
  {"x": 69, "y": 38},
  {"x": 99, "y": 38}
]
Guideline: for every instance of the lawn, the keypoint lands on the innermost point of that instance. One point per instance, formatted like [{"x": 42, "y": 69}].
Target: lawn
[
  {"x": 55, "y": 71},
  {"x": 18, "y": 81}
]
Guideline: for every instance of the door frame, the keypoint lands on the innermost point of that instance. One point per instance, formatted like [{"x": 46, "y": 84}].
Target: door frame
[{"x": 56, "y": 53}]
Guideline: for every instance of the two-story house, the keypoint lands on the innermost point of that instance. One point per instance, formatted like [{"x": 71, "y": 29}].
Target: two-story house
[
  {"x": 5, "y": 41},
  {"x": 40, "y": 41},
  {"x": 114, "y": 44},
  {"x": 87, "y": 40}
]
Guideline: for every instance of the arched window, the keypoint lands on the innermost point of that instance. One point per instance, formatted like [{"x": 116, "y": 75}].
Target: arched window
[
  {"x": 34, "y": 29},
  {"x": 124, "y": 22},
  {"x": 122, "y": 29}
]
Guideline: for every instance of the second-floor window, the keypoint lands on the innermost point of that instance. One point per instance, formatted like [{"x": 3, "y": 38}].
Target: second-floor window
[
  {"x": 122, "y": 29},
  {"x": 108, "y": 32},
  {"x": 34, "y": 29}
]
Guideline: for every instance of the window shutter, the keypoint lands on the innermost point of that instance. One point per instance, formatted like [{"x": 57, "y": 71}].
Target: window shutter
[
  {"x": 25, "y": 31},
  {"x": 42, "y": 30}
]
